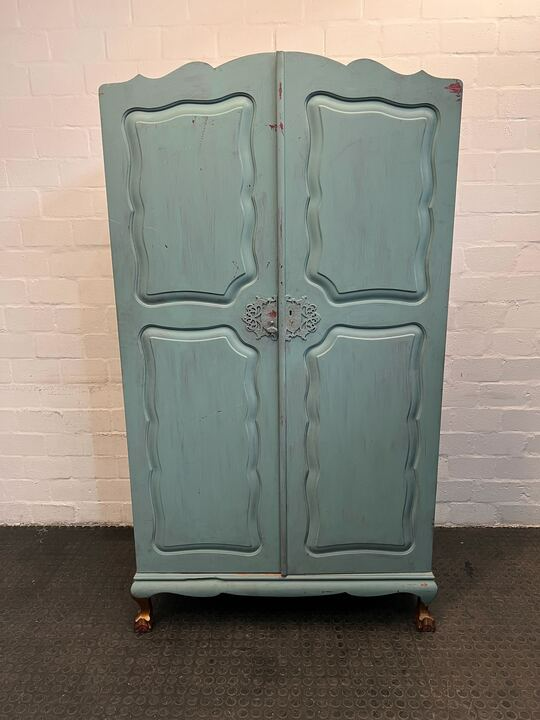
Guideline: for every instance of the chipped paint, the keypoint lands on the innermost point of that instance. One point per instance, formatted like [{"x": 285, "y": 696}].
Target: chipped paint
[
  {"x": 280, "y": 90},
  {"x": 272, "y": 126},
  {"x": 455, "y": 88},
  {"x": 282, "y": 127}
]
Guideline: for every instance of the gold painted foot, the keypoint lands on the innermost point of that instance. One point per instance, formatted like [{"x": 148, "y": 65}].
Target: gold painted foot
[
  {"x": 425, "y": 622},
  {"x": 143, "y": 619}
]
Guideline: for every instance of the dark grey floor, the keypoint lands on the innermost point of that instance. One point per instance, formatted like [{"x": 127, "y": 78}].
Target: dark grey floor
[{"x": 67, "y": 649}]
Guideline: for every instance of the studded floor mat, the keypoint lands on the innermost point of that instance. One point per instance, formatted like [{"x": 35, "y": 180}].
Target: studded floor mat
[{"x": 67, "y": 649}]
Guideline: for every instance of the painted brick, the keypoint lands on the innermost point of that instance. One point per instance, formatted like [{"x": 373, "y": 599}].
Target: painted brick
[
  {"x": 275, "y": 12},
  {"x": 55, "y": 514},
  {"x": 84, "y": 371},
  {"x": 256, "y": 39},
  {"x": 189, "y": 41},
  {"x": 79, "y": 320},
  {"x": 12, "y": 292},
  {"x": 53, "y": 291},
  {"x": 10, "y": 14},
  {"x": 499, "y": 134},
  {"x": 310, "y": 39},
  {"x": 519, "y": 35},
  {"x": 511, "y": 343},
  {"x": 521, "y": 420},
  {"x": 29, "y": 319},
  {"x": 17, "y": 143},
  {"x": 66, "y": 203},
  {"x": 533, "y": 135},
  {"x": 493, "y": 259},
  {"x": 23, "y": 47},
  {"x": 50, "y": 14},
  {"x": 468, "y": 37},
  {"x": 18, "y": 203},
  {"x": 16, "y": 345},
  {"x": 517, "y": 167},
  {"x": 480, "y": 103},
  {"x": 62, "y": 429},
  {"x": 529, "y": 259},
  {"x": 62, "y": 142},
  {"x": 351, "y": 39},
  {"x": 24, "y": 264},
  {"x": 519, "y": 514},
  {"x": 96, "y": 291},
  {"x": 36, "y": 371},
  {"x": 60, "y": 346},
  {"x": 104, "y": 13},
  {"x": 81, "y": 263},
  {"x": 14, "y": 80},
  {"x": 75, "y": 111},
  {"x": 507, "y": 70},
  {"x": 459, "y": 8},
  {"x": 161, "y": 12},
  {"x": 519, "y": 103},
  {"x": 80, "y": 46},
  {"x": 468, "y": 513},
  {"x": 133, "y": 43},
  {"x": 46, "y": 232},
  {"x": 386, "y": 9},
  {"x": 32, "y": 172},
  {"x": 407, "y": 38}
]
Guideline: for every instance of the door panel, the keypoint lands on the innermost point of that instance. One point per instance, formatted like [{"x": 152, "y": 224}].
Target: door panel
[
  {"x": 200, "y": 385},
  {"x": 360, "y": 153},
  {"x": 361, "y": 484},
  {"x": 367, "y": 223},
  {"x": 193, "y": 241},
  {"x": 190, "y": 167}
]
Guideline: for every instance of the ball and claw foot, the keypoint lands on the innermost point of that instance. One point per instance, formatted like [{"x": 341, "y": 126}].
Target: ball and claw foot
[
  {"x": 143, "y": 619},
  {"x": 425, "y": 622}
]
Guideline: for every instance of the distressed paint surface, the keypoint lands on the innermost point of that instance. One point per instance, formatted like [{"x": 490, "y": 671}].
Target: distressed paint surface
[
  {"x": 370, "y": 178},
  {"x": 190, "y": 167},
  {"x": 315, "y": 457}
]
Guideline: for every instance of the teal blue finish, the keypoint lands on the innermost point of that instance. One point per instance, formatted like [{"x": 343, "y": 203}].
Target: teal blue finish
[
  {"x": 370, "y": 178},
  {"x": 190, "y": 167},
  {"x": 293, "y": 467}
]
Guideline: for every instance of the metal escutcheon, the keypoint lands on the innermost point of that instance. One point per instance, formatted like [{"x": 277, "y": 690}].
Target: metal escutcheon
[{"x": 260, "y": 317}]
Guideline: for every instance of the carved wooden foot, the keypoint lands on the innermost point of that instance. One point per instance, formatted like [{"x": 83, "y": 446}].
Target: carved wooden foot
[
  {"x": 143, "y": 619},
  {"x": 425, "y": 622}
]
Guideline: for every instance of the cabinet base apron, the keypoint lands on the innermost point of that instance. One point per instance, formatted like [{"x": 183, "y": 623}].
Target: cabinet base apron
[{"x": 422, "y": 585}]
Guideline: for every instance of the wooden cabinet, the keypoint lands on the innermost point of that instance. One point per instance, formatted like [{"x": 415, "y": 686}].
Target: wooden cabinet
[{"x": 281, "y": 230}]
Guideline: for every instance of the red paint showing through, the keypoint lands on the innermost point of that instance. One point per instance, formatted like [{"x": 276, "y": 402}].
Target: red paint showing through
[{"x": 455, "y": 88}]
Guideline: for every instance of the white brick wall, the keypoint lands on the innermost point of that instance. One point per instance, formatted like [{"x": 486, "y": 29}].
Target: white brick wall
[{"x": 62, "y": 443}]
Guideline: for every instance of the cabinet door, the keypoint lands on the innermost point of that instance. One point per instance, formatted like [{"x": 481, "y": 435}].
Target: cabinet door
[
  {"x": 370, "y": 170},
  {"x": 190, "y": 167}
]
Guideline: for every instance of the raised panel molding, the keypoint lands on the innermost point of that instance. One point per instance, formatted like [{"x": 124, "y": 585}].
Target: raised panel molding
[
  {"x": 360, "y": 491},
  {"x": 365, "y": 245},
  {"x": 190, "y": 181},
  {"x": 190, "y": 453}
]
